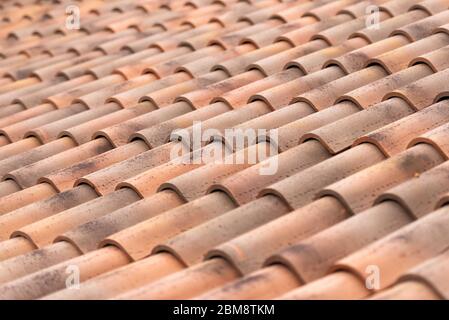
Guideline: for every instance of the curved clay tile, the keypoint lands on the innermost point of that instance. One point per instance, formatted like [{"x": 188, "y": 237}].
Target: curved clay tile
[
  {"x": 123, "y": 279},
  {"x": 303, "y": 187},
  {"x": 325, "y": 95},
  {"x": 84, "y": 132},
  {"x": 16, "y": 131},
  {"x": 372, "y": 93},
  {"x": 264, "y": 284},
  {"x": 248, "y": 251},
  {"x": 18, "y": 147},
  {"x": 191, "y": 245},
  {"x": 41, "y": 209},
  {"x": 311, "y": 258},
  {"x": 424, "y": 28},
  {"x": 436, "y": 59},
  {"x": 43, "y": 232},
  {"x": 330, "y": 288},
  {"x": 49, "y": 132},
  {"x": 276, "y": 62},
  {"x": 411, "y": 194},
  {"x": 105, "y": 180},
  {"x": 139, "y": 240},
  {"x": 203, "y": 96},
  {"x": 392, "y": 259},
  {"x": 159, "y": 134},
  {"x": 280, "y": 96},
  {"x": 388, "y": 26},
  {"x": 290, "y": 134},
  {"x": 36, "y": 260},
  {"x": 432, "y": 273},
  {"x": 408, "y": 290},
  {"x": 436, "y": 138},
  {"x": 382, "y": 176},
  {"x": 395, "y": 137},
  {"x": 239, "y": 97},
  {"x": 34, "y": 155},
  {"x": 24, "y": 197},
  {"x": 88, "y": 236},
  {"x": 64, "y": 179},
  {"x": 120, "y": 133},
  {"x": 34, "y": 285},
  {"x": 289, "y": 163},
  {"x": 423, "y": 92},
  {"x": 28, "y": 175},
  {"x": 193, "y": 281},
  {"x": 336, "y": 137},
  {"x": 14, "y": 247},
  {"x": 398, "y": 59}
]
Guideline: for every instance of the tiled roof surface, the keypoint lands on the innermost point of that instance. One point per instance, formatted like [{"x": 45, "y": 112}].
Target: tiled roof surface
[{"x": 356, "y": 209}]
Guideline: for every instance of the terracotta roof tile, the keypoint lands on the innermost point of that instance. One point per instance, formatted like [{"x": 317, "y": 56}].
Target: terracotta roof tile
[
  {"x": 409, "y": 290},
  {"x": 41, "y": 209},
  {"x": 430, "y": 276},
  {"x": 89, "y": 120},
  {"x": 120, "y": 280},
  {"x": 391, "y": 248},
  {"x": 352, "y": 234}
]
